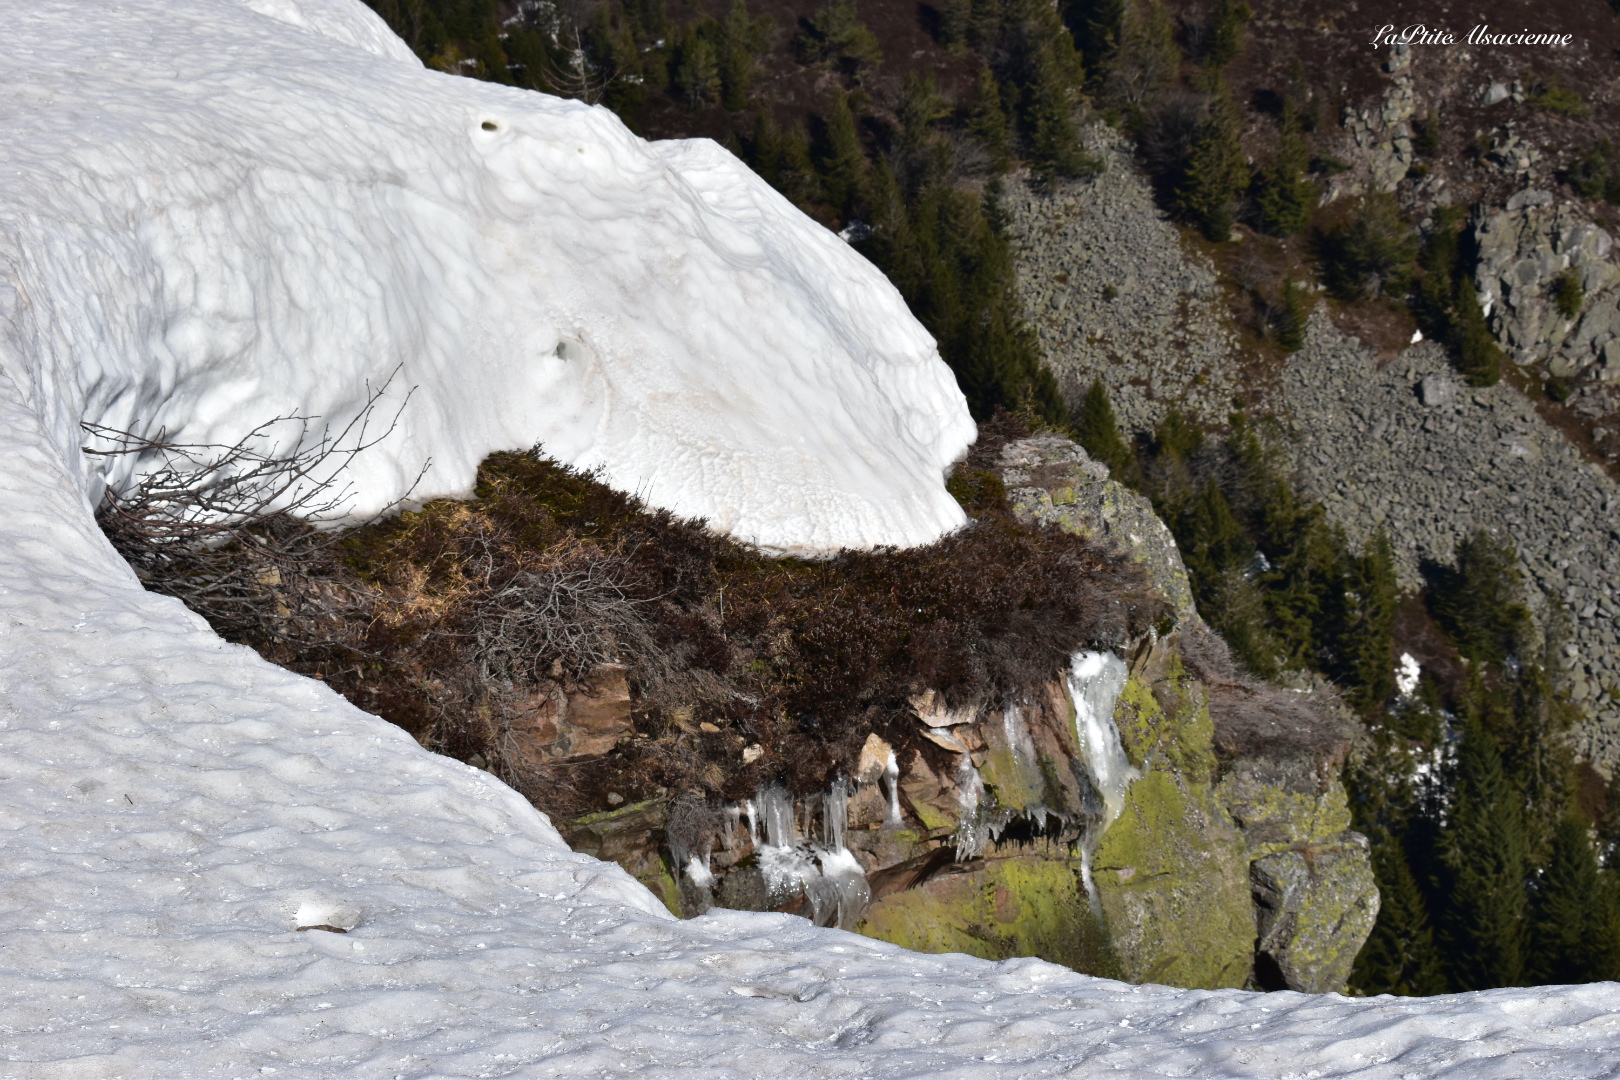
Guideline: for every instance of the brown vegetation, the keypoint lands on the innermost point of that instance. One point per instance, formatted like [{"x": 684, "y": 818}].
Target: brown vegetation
[{"x": 478, "y": 625}]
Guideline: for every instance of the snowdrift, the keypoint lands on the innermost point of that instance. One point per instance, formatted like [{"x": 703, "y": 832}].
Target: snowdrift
[
  {"x": 173, "y": 810},
  {"x": 216, "y": 214}
]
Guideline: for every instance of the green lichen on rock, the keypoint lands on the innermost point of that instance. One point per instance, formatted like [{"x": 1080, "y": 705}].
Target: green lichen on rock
[
  {"x": 1275, "y": 817},
  {"x": 1315, "y": 905},
  {"x": 1052, "y": 479},
  {"x": 1172, "y": 879},
  {"x": 633, "y": 837},
  {"x": 998, "y": 909}
]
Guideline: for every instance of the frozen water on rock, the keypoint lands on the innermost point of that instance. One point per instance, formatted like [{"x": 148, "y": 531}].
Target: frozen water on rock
[
  {"x": 828, "y": 874},
  {"x": 1095, "y": 681},
  {"x": 168, "y": 802}
]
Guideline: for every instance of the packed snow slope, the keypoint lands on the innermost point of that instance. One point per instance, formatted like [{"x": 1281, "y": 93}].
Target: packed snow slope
[
  {"x": 213, "y": 213},
  {"x": 172, "y": 809}
]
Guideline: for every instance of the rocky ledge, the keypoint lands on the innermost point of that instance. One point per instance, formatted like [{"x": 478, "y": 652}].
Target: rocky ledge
[{"x": 1148, "y": 815}]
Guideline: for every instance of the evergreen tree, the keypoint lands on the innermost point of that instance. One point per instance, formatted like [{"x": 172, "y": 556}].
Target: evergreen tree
[
  {"x": 1294, "y": 316},
  {"x": 782, "y": 158},
  {"x": 1399, "y": 956},
  {"x": 697, "y": 71},
  {"x": 1224, "y": 32},
  {"x": 1480, "y": 603},
  {"x": 954, "y": 266},
  {"x": 1096, "y": 429},
  {"x": 1479, "y": 357},
  {"x": 842, "y": 162},
  {"x": 1572, "y": 914},
  {"x": 1095, "y": 25},
  {"x": 1043, "y": 69},
  {"x": 1371, "y": 254},
  {"x": 739, "y": 44},
  {"x": 1287, "y": 196},
  {"x": 835, "y": 33},
  {"x": 987, "y": 121},
  {"x": 1366, "y": 645},
  {"x": 1483, "y": 853},
  {"x": 1146, "y": 60},
  {"x": 1216, "y": 173}
]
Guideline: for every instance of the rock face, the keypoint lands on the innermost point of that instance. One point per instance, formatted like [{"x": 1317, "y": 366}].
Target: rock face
[
  {"x": 1156, "y": 843},
  {"x": 1524, "y": 250},
  {"x": 1378, "y": 138},
  {"x": 1181, "y": 874},
  {"x": 1051, "y": 479}
]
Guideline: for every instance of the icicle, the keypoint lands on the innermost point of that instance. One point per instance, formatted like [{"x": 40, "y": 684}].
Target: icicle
[
  {"x": 828, "y": 874},
  {"x": 972, "y": 832},
  {"x": 753, "y": 822},
  {"x": 891, "y": 781}
]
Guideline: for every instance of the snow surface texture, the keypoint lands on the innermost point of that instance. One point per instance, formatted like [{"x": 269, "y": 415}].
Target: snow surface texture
[
  {"x": 172, "y": 808},
  {"x": 213, "y": 213}
]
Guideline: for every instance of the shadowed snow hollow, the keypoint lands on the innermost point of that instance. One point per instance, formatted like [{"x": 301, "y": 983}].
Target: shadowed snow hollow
[{"x": 239, "y": 211}]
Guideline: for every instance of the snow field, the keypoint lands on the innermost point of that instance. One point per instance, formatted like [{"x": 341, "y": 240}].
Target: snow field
[{"x": 172, "y": 808}]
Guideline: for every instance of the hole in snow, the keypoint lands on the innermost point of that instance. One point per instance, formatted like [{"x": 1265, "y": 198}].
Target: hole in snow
[
  {"x": 331, "y": 916},
  {"x": 490, "y": 125},
  {"x": 570, "y": 351}
]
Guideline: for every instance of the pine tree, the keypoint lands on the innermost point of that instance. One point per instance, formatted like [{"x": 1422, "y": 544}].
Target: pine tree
[
  {"x": 1216, "y": 173},
  {"x": 1224, "y": 33},
  {"x": 842, "y": 163},
  {"x": 1146, "y": 61},
  {"x": 1044, "y": 69},
  {"x": 1480, "y": 604},
  {"x": 1483, "y": 854},
  {"x": 1287, "y": 196},
  {"x": 1097, "y": 430},
  {"x": 1366, "y": 645},
  {"x": 1571, "y": 913},
  {"x": 1399, "y": 956},
  {"x": 738, "y": 45},
  {"x": 1479, "y": 357},
  {"x": 697, "y": 72},
  {"x": 987, "y": 121},
  {"x": 1294, "y": 316}
]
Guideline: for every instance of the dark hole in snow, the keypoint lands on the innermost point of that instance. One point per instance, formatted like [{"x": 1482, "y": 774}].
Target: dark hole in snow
[
  {"x": 327, "y": 928},
  {"x": 490, "y": 125}
]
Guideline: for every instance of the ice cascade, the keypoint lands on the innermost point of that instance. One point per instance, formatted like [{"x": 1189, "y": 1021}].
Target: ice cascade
[
  {"x": 1095, "y": 680},
  {"x": 826, "y": 872}
]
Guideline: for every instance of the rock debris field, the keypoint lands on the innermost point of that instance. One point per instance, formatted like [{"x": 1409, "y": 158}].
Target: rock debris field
[
  {"x": 1110, "y": 292},
  {"x": 1411, "y": 447}
]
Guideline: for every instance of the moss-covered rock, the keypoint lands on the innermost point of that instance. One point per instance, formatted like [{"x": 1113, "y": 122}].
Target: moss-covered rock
[{"x": 999, "y": 908}]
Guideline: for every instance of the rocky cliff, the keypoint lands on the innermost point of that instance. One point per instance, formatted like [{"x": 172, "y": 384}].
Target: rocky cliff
[{"x": 1149, "y": 814}]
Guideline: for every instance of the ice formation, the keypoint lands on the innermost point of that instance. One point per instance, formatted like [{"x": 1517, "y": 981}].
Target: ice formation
[
  {"x": 240, "y": 212},
  {"x": 827, "y": 873},
  {"x": 172, "y": 807},
  {"x": 1095, "y": 681}
]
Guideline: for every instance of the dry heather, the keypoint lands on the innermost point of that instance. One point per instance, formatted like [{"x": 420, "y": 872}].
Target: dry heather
[{"x": 459, "y": 621}]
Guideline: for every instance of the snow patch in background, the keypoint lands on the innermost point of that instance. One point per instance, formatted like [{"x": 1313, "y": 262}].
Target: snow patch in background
[{"x": 171, "y": 805}]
